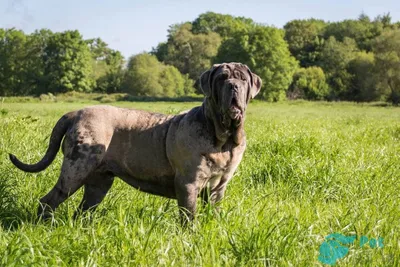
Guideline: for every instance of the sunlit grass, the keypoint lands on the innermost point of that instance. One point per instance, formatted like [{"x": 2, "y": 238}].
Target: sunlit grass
[{"x": 310, "y": 169}]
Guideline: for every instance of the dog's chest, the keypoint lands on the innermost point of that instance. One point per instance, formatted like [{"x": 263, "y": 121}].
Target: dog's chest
[{"x": 220, "y": 162}]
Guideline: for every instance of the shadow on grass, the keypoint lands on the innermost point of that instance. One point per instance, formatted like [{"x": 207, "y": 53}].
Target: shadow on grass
[
  {"x": 11, "y": 213},
  {"x": 381, "y": 104}
]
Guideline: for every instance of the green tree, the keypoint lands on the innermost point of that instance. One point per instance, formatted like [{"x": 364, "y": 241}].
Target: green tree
[
  {"x": 335, "y": 57},
  {"x": 172, "y": 82},
  {"x": 265, "y": 51},
  {"x": 190, "y": 53},
  {"x": 305, "y": 39},
  {"x": 387, "y": 61},
  {"x": 385, "y": 20},
  {"x": 363, "y": 31},
  {"x": 363, "y": 86},
  {"x": 35, "y": 46},
  {"x": 188, "y": 87},
  {"x": 107, "y": 66},
  {"x": 224, "y": 25},
  {"x": 146, "y": 76},
  {"x": 142, "y": 76},
  {"x": 309, "y": 83},
  {"x": 111, "y": 81},
  {"x": 99, "y": 51},
  {"x": 99, "y": 71},
  {"x": 13, "y": 54},
  {"x": 161, "y": 51},
  {"x": 67, "y": 63},
  {"x": 98, "y": 48}
]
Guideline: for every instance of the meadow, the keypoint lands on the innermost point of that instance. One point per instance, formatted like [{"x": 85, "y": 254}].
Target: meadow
[{"x": 310, "y": 169}]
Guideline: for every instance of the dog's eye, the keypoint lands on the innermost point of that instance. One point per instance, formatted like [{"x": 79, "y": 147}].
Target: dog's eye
[
  {"x": 224, "y": 76},
  {"x": 243, "y": 77}
]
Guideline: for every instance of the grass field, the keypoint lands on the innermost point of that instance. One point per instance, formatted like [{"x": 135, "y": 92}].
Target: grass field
[{"x": 310, "y": 169}]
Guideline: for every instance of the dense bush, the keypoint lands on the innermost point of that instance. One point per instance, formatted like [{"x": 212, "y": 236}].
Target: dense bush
[
  {"x": 308, "y": 83},
  {"x": 146, "y": 76}
]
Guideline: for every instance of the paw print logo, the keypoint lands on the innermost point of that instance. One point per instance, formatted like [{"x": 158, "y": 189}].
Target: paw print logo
[{"x": 333, "y": 248}]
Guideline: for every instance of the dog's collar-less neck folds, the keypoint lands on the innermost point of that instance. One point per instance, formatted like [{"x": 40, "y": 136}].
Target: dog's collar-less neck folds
[{"x": 222, "y": 133}]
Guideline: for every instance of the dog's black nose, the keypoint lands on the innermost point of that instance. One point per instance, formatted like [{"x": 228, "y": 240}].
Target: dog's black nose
[{"x": 234, "y": 86}]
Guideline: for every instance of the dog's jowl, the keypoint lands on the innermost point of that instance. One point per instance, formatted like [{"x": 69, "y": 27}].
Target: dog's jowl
[{"x": 172, "y": 156}]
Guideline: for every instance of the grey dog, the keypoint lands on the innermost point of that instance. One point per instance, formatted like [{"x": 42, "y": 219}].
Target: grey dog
[{"x": 177, "y": 157}]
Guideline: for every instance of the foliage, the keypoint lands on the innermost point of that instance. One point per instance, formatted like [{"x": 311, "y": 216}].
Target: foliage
[
  {"x": 172, "y": 82},
  {"x": 146, "y": 76},
  {"x": 111, "y": 81},
  {"x": 357, "y": 56},
  {"x": 13, "y": 69},
  {"x": 224, "y": 25},
  {"x": 305, "y": 39},
  {"x": 141, "y": 77},
  {"x": 66, "y": 60},
  {"x": 387, "y": 55},
  {"x": 335, "y": 57},
  {"x": 191, "y": 47},
  {"x": 363, "y": 85},
  {"x": 266, "y": 53},
  {"x": 309, "y": 83},
  {"x": 107, "y": 66},
  {"x": 190, "y": 53},
  {"x": 363, "y": 31}
]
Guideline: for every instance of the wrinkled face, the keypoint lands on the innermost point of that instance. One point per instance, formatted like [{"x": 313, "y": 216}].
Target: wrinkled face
[{"x": 230, "y": 86}]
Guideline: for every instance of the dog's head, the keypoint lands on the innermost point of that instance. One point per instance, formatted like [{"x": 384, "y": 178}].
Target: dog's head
[{"x": 229, "y": 87}]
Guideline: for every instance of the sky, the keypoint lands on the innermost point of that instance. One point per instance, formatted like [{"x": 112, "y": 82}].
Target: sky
[{"x": 133, "y": 26}]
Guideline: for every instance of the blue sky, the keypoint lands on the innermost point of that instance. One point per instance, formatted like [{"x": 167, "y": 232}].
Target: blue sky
[{"x": 136, "y": 26}]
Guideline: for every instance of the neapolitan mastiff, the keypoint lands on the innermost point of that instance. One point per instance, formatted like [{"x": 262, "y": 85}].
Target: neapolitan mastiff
[{"x": 172, "y": 156}]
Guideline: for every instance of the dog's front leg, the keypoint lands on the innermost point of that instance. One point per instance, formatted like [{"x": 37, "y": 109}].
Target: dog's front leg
[
  {"x": 186, "y": 194},
  {"x": 216, "y": 194}
]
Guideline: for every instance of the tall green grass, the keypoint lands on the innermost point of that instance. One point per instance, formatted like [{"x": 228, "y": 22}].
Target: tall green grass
[{"x": 310, "y": 169}]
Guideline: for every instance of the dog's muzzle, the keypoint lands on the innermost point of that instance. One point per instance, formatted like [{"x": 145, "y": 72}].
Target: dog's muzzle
[{"x": 235, "y": 112}]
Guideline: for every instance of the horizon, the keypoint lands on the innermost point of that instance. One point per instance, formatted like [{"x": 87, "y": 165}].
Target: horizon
[{"x": 125, "y": 26}]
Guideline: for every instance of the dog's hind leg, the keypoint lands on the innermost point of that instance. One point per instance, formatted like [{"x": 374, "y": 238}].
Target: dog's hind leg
[
  {"x": 96, "y": 188},
  {"x": 74, "y": 173}
]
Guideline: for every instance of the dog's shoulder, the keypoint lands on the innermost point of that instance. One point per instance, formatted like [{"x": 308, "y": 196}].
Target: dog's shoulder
[
  {"x": 190, "y": 129},
  {"x": 194, "y": 122}
]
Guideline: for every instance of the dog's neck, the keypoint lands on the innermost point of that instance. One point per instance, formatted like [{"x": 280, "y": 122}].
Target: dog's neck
[{"x": 223, "y": 134}]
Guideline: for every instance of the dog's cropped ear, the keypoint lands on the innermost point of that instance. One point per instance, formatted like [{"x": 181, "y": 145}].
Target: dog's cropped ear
[
  {"x": 206, "y": 79},
  {"x": 256, "y": 85}
]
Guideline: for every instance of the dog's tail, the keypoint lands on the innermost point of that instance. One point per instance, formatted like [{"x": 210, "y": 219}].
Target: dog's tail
[{"x": 56, "y": 137}]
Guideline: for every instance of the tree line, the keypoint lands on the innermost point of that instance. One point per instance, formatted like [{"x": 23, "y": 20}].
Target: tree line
[{"x": 352, "y": 60}]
